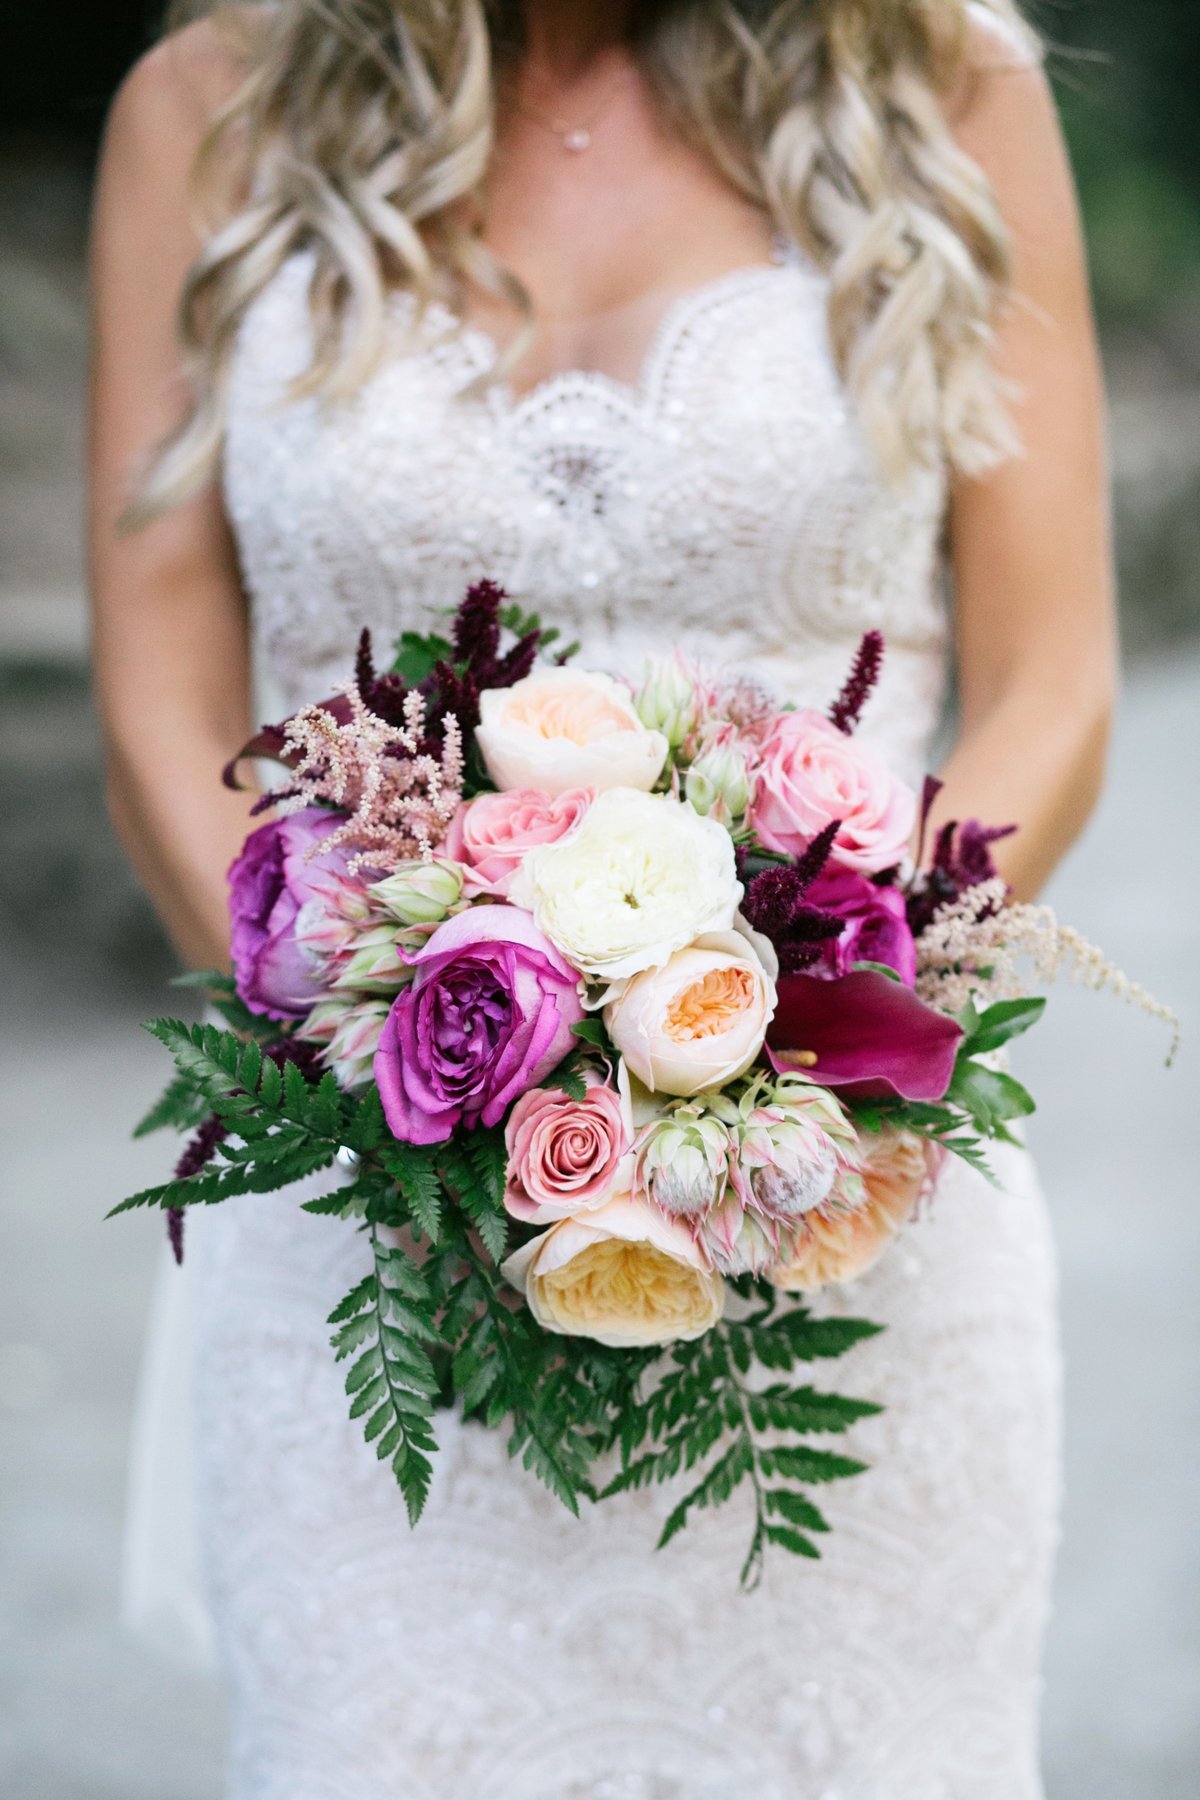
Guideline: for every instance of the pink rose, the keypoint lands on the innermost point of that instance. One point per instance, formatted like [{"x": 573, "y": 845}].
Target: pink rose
[
  {"x": 566, "y": 1156},
  {"x": 492, "y": 834},
  {"x": 809, "y": 774}
]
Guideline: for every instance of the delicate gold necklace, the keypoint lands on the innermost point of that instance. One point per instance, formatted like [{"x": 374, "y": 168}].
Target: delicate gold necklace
[{"x": 577, "y": 137}]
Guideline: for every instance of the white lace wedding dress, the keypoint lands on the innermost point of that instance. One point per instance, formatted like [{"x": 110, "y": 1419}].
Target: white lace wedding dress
[{"x": 505, "y": 1651}]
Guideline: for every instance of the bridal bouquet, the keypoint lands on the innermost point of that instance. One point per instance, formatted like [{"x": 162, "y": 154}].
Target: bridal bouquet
[{"x": 627, "y": 1021}]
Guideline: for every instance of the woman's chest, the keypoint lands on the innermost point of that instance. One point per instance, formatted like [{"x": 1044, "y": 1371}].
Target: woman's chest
[{"x": 725, "y": 493}]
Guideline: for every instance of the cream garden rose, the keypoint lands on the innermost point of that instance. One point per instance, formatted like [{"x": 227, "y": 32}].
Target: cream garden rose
[
  {"x": 697, "y": 1022},
  {"x": 623, "y": 1275},
  {"x": 643, "y": 876},
  {"x": 560, "y": 729}
]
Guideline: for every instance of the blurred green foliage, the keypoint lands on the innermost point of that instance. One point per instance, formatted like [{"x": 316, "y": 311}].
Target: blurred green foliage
[{"x": 1127, "y": 73}]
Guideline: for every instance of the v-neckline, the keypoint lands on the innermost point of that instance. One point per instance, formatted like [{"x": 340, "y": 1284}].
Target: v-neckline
[{"x": 671, "y": 326}]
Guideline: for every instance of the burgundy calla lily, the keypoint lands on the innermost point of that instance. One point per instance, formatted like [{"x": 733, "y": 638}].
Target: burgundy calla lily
[{"x": 865, "y": 1035}]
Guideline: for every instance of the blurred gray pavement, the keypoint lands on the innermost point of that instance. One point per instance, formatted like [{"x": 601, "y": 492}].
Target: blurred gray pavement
[{"x": 85, "y": 1715}]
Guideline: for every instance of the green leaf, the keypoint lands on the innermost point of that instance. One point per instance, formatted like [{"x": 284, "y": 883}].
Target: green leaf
[
  {"x": 414, "y": 1169},
  {"x": 342, "y": 1203},
  {"x": 474, "y": 1175},
  {"x": 998, "y": 1024},
  {"x": 806, "y": 1410},
  {"x": 797, "y": 1462},
  {"x": 990, "y": 1097},
  {"x": 805, "y": 1339},
  {"x": 796, "y": 1508},
  {"x": 365, "y": 1294},
  {"x": 180, "y": 1108},
  {"x": 212, "y": 981},
  {"x": 417, "y": 655},
  {"x": 795, "y": 1541},
  {"x": 270, "y": 1085},
  {"x": 568, "y": 1077},
  {"x": 876, "y": 968},
  {"x": 591, "y": 1031}
]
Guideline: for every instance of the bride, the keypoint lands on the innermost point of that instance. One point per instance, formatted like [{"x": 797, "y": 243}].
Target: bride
[{"x": 720, "y": 321}]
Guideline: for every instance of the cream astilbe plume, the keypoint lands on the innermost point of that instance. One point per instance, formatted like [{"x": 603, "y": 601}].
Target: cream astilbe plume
[
  {"x": 400, "y": 798},
  {"x": 974, "y": 946}
]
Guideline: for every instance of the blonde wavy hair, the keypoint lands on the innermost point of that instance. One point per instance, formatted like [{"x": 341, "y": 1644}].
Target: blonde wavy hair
[{"x": 363, "y": 130}]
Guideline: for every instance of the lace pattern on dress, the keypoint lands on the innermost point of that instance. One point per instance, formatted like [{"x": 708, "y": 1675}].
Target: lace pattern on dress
[{"x": 505, "y": 1651}]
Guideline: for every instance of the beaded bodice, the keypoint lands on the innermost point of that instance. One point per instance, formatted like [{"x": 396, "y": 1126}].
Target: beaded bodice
[{"x": 726, "y": 501}]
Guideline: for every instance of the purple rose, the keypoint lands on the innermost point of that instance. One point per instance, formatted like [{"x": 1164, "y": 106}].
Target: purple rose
[
  {"x": 875, "y": 929},
  {"x": 486, "y": 1017},
  {"x": 268, "y": 884}
]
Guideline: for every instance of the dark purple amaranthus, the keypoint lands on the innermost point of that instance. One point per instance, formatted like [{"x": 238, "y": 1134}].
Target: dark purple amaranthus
[
  {"x": 207, "y": 1138},
  {"x": 962, "y": 858},
  {"x": 452, "y": 687},
  {"x": 774, "y": 904},
  {"x": 198, "y": 1152},
  {"x": 860, "y": 684}
]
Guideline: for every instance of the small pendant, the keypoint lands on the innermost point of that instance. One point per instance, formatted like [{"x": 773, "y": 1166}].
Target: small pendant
[{"x": 578, "y": 139}]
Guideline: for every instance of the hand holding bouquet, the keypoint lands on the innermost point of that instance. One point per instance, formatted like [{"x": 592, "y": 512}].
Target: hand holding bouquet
[{"x": 624, "y": 1001}]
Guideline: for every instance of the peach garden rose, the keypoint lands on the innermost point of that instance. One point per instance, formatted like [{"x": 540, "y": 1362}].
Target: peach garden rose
[
  {"x": 560, "y": 729},
  {"x": 839, "y": 1245},
  {"x": 699, "y": 1020}
]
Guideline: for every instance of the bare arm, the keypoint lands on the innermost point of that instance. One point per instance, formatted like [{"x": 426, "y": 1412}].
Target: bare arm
[
  {"x": 1030, "y": 543},
  {"x": 171, "y": 655}
]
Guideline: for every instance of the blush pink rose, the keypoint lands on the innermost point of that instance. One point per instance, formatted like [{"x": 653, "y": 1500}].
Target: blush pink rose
[
  {"x": 809, "y": 774},
  {"x": 566, "y": 1156},
  {"x": 492, "y": 834}
]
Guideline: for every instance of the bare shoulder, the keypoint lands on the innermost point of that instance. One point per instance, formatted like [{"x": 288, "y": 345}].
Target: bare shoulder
[
  {"x": 1003, "y": 115},
  {"x": 174, "y": 92}
]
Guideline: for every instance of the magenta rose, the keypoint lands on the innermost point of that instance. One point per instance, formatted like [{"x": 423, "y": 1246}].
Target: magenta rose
[
  {"x": 809, "y": 774},
  {"x": 492, "y": 834},
  {"x": 486, "y": 1017},
  {"x": 875, "y": 927},
  {"x": 269, "y": 883},
  {"x": 566, "y": 1156}
]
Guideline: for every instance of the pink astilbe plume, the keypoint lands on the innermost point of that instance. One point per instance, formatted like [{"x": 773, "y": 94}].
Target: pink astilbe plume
[{"x": 400, "y": 797}]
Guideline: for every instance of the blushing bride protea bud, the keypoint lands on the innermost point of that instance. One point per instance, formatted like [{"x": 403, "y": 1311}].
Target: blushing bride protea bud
[
  {"x": 420, "y": 893},
  {"x": 799, "y": 1149},
  {"x": 718, "y": 782},
  {"x": 348, "y": 1033},
  {"x": 682, "y": 1159},
  {"x": 378, "y": 961},
  {"x": 739, "y": 1241},
  {"x": 669, "y": 699}
]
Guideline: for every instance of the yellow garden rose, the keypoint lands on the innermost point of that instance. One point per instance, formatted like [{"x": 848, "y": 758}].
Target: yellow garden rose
[{"x": 623, "y": 1275}]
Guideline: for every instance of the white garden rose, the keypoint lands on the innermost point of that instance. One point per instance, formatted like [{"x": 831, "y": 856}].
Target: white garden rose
[
  {"x": 623, "y": 1275},
  {"x": 565, "y": 728},
  {"x": 699, "y": 1020},
  {"x": 643, "y": 876}
]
